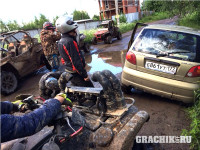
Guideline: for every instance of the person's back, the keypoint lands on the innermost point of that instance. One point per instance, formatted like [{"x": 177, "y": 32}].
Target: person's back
[
  {"x": 70, "y": 53},
  {"x": 48, "y": 38}
]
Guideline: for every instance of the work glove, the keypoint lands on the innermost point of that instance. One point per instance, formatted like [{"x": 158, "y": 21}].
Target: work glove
[
  {"x": 24, "y": 102},
  {"x": 18, "y": 106},
  {"x": 67, "y": 101}
]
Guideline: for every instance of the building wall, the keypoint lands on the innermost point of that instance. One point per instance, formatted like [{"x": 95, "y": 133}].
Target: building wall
[{"x": 128, "y": 6}]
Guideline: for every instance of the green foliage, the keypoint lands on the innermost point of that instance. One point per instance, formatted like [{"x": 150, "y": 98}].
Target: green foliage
[
  {"x": 178, "y": 7},
  {"x": 54, "y": 20},
  {"x": 155, "y": 16},
  {"x": 38, "y": 37},
  {"x": 79, "y": 15},
  {"x": 191, "y": 20},
  {"x": 11, "y": 25},
  {"x": 36, "y": 24},
  {"x": 95, "y": 18},
  {"x": 194, "y": 115},
  {"x": 122, "y": 18},
  {"x": 89, "y": 34}
]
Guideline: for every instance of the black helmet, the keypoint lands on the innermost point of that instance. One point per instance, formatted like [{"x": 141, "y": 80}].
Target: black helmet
[{"x": 48, "y": 26}]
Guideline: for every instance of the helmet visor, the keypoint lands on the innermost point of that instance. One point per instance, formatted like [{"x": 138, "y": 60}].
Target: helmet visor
[{"x": 70, "y": 22}]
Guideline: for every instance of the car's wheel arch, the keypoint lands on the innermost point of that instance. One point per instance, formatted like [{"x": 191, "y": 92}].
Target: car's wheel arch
[{"x": 8, "y": 67}]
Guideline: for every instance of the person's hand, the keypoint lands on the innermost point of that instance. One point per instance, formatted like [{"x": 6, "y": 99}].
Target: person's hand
[
  {"x": 86, "y": 79},
  {"x": 63, "y": 99},
  {"x": 18, "y": 106}
]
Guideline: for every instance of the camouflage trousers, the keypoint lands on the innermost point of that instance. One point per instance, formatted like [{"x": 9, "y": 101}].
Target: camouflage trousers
[{"x": 53, "y": 61}]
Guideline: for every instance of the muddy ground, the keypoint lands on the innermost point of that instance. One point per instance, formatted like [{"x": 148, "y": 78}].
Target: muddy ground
[{"x": 167, "y": 118}]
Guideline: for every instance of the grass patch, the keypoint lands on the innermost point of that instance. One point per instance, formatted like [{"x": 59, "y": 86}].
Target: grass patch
[
  {"x": 190, "y": 20},
  {"x": 194, "y": 115}
]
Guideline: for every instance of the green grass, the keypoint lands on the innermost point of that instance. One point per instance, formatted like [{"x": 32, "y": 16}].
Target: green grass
[
  {"x": 190, "y": 20},
  {"x": 194, "y": 115}
]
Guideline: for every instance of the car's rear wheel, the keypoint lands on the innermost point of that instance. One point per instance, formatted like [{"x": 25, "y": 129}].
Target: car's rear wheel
[
  {"x": 109, "y": 39},
  {"x": 119, "y": 36},
  {"x": 9, "y": 82},
  {"x": 94, "y": 40}
]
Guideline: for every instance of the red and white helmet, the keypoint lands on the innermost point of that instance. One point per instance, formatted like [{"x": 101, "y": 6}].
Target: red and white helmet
[{"x": 48, "y": 26}]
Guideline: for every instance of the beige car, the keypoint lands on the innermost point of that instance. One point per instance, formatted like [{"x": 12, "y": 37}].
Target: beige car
[{"x": 164, "y": 60}]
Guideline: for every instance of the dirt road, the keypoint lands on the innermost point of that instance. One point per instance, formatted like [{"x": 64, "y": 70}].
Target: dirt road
[{"x": 167, "y": 118}]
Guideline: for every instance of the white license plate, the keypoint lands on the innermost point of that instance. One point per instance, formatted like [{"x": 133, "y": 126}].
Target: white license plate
[{"x": 160, "y": 67}]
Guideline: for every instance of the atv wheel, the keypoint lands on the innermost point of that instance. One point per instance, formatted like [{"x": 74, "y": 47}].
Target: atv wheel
[
  {"x": 9, "y": 82},
  {"x": 86, "y": 48},
  {"x": 94, "y": 40},
  {"x": 109, "y": 39},
  {"x": 119, "y": 36}
]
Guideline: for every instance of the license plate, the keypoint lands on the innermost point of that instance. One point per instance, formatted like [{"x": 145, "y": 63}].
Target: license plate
[{"x": 160, "y": 67}]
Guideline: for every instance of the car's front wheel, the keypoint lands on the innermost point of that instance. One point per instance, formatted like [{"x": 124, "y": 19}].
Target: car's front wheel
[{"x": 9, "y": 82}]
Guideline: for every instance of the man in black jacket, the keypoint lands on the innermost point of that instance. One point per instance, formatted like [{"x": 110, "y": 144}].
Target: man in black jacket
[{"x": 70, "y": 53}]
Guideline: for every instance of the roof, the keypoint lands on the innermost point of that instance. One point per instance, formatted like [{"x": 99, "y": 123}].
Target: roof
[
  {"x": 84, "y": 20},
  {"x": 174, "y": 28}
]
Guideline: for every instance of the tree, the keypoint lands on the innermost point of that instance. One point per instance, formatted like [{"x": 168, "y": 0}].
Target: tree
[
  {"x": 95, "y": 18},
  {"x": 36, "y": 24},
  {"x": 173, "y": 7},
  {"x": 54, "y": 20},
  {"x": 3, "y": 27},
  {"x": 79, "y": 15}
]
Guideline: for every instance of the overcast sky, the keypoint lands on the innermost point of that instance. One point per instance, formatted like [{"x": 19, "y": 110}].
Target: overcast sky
[{"x": 26, "y": 10}]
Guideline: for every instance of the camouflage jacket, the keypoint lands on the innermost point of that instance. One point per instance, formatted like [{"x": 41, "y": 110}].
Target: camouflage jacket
[
  {"x": 13, "y": 127},
  {"x": 48, "y": 41}
]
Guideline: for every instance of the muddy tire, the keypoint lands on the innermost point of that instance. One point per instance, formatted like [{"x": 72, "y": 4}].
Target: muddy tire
[
  {"x": 109, "y": 39},
  {"x": 94, "y": 40},
  {"x": 9, "y": 82},
  {"x": 86, "y": 48},
  {"x": 119, "y": 36}
]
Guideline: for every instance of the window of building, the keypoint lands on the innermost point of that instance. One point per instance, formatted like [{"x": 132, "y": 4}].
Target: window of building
[
  {"x": 106, "y": 4},
  {"x": 130, "y": 2},
  {"x": 136, "y": 2}
]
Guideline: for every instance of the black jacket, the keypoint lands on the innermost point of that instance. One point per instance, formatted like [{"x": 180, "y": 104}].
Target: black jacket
[{"x": 69, "y": 51}]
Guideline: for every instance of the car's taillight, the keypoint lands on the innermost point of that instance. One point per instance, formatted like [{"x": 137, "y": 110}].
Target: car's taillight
[
  {"x": 194, "y": 72},
  {"x": 130, "y": 56}
]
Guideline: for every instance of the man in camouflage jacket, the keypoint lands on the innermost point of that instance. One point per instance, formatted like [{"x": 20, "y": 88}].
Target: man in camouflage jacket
[{"x": 48, "y": 38}]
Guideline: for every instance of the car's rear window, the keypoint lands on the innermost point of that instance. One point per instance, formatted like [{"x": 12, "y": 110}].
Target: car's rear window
[{"x": 173, "y": 44}]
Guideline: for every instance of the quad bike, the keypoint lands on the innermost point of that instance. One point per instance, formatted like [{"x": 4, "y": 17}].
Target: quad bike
[
  {"x": 106, "y": 32},
  {"x": 101, "y": 118}
]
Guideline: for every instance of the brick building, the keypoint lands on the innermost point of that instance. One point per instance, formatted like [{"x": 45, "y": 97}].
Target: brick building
[{"x": 107, "y": 7}]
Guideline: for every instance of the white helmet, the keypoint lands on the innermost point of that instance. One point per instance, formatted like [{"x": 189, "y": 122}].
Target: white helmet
[{"x": 65, "y": 24}]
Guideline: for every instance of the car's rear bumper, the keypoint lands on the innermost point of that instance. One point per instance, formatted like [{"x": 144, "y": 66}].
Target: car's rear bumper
[{"x": 173, "y": 89}]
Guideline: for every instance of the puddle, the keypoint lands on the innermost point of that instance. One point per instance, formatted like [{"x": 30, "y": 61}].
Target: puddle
[{"x": 104, "y": 60}]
